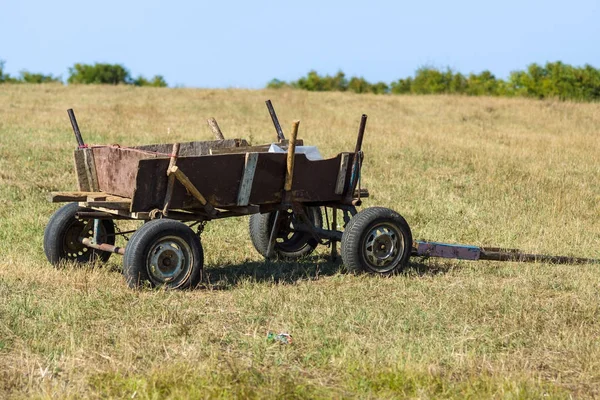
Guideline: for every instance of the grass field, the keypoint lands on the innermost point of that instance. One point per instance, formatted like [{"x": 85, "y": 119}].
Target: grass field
[{"x": 485, "y": 171}]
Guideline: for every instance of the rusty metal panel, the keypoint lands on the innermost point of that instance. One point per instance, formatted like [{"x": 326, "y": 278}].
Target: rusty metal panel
[{"x": 445, "y": 250}]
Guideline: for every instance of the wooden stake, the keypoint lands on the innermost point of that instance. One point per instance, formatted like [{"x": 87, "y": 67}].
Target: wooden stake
[
  {"x": 215, "y": 128},
  {"x": 289, "y": 177},
  {"x": 171, "y": 181},
  {"x": 185, "y": 181}
]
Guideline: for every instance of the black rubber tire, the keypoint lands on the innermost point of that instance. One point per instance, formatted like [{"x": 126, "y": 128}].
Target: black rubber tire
[
  {"x": 159, "y": 242},
  {"x": 298, "y": 245},
  {"x": 61, "y": 237},
  {"x": 373, "y": 236}
]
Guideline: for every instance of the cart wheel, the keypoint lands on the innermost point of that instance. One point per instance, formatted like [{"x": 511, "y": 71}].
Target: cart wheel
[
  {"x": 289, "y": 244},
  {"x": 377, "y": 240},
  {"x": 164, "y": 253},
  {"x": 62, "y": 234}
]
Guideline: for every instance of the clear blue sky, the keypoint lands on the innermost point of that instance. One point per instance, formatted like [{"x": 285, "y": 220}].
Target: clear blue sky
[{"x": 221, "y": 44}]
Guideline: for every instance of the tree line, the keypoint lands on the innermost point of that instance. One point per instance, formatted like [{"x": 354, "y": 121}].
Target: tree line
[
  {"x": 98, "y": 73},
  {"x": 553, "y": 80}
]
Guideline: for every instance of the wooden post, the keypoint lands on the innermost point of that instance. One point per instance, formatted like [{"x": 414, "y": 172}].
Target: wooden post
[
  {"x": 171, "y": 181},
  {"x": 215, "y": 128},
  {"x": 289, "y": 176}
]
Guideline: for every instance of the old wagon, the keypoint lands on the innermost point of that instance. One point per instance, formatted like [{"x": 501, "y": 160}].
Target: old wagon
[{"x": 293, "y": 202}]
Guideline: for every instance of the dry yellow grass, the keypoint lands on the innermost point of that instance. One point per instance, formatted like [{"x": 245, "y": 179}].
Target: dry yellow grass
[{"x": 486, "y": 171}]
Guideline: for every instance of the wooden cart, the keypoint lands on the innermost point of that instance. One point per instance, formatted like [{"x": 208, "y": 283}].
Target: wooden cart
[{"x": 173, "y": 187}]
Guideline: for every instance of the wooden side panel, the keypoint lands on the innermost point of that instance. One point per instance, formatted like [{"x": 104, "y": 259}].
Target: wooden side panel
[
  {"x": 316, "y": 181},
  {"x": 218, "y": 179},
  {"x": 117, "y": 168},
  {"x": 195, "y": 148}
]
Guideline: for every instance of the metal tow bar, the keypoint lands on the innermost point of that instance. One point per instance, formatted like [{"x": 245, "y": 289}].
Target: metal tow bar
[{"x": 474, "y": 253}]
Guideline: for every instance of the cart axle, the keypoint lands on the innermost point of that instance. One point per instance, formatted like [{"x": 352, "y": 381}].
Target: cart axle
[{"x": 103, "y": 246}]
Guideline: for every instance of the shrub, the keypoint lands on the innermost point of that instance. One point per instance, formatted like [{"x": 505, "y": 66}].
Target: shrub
[
  {"x": 111, "y": 74},
  {"x": 157, "y": 81},
  {"x": 29, "y": 77}
]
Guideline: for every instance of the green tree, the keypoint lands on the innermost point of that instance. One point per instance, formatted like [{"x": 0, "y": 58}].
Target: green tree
[
  {"x": 156, "y": 81},
  {"x": 402, "y": 86},
  {"x": 111, "y": 74},
  {"x": 482, "y": 84},
  {"x": 277, "y": 84},
  {"x": 29, "y": 77},
  {"x": 430, "y": 80}
]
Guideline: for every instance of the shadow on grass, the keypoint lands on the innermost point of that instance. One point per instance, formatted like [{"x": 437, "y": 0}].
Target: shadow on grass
[{"x": 306, "y": 269}]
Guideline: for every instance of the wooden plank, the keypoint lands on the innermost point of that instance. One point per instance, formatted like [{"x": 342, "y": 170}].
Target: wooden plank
[
  {"x": 261, "y": 148},
  {"x": 247, "y": 179},
  {"x": 113, "y": 205},
  {"x": 341, "y": 178},
  {"x": 252, "y": 149},
  {"x": 119, "y": 212},
  {"x": 184, "y": 180},
  {"x": 97, "y": 197},
  {"x": 90, "y": 169},
  {"x": 82, "y": 180},
  {"x": 60, "y": 197},
  {"x": 199, "y": 148}
]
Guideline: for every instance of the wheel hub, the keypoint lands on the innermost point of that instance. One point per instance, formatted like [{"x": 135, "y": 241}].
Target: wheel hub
[
  {"x": 167, "y": 260},
  {"x": 381, "y": 247}
]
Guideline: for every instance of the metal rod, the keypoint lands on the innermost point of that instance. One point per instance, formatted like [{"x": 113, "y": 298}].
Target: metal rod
[
  {"x": 280, "y": 135},
  {"x": 333, "y": 227},
  {"x": 356, "y": 159},
  {"x": 361, "y": 133},
  {"x": 75, "y": 126},
  {"x": 98, "y": 215},
  {"x": 103, "y": 246},
  {"x": 273, "y": 237},
  {"x": 96, "y": 236},
  {"x": 524, "y": 257},
  {"x": 474, "y": 253}
]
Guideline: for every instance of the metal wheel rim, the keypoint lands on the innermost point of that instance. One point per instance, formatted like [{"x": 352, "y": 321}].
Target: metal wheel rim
[
  {"x": 288, "y": 239},
  {"x": 72, "y": 248},
  {"x": 169, "y": 261},
  {"x": 383, "y": 247}
]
